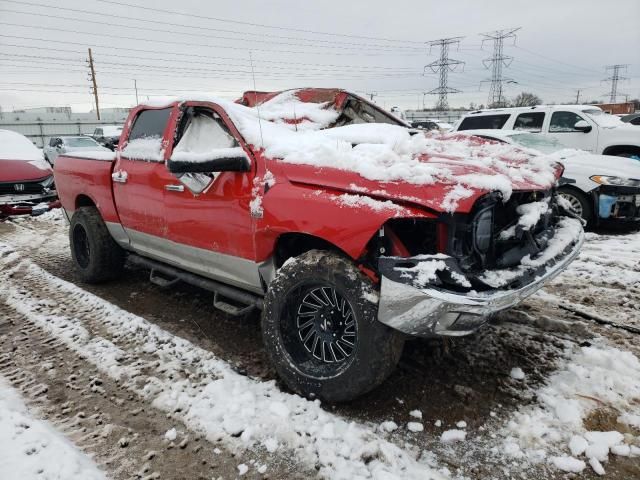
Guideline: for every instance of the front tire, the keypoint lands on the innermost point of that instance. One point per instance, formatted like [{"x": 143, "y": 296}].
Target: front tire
[
  {"x": 97, "y": 257},
  {"x": 321, "y": 331},
  {"x": 579, "y": 202}
]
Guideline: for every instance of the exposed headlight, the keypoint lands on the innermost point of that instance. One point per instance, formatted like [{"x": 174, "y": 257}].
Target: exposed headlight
[
  {"x": 483, "y": 228},
  {"x": 617, "y": 181}
]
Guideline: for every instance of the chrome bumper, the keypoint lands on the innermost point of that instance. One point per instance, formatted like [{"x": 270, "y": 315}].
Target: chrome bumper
[{"x": 432, "y": 311}]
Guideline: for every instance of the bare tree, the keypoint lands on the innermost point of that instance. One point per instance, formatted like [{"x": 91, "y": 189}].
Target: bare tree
[{"x": 526, "y": 99}]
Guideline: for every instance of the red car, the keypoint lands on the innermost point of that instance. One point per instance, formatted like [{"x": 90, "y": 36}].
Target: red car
[
  {"x": 348, "y": 229},
  {"x": 26, "y": 179}
]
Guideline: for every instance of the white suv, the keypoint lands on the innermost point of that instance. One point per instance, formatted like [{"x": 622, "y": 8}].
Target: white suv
[{"x": 583, "y": 127}]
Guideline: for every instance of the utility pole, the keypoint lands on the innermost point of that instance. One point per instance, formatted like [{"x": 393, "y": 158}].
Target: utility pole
[
  {"x": 372, "y": 95},
  {"x": 135, "y": 85},
  {"x": 496, "y": 62},
  {"x": 93, "y": 81},
  {"x": 578, "y": 90},
  {"x": 443, "y": 66},
  {"x": 614, "y": 79}
]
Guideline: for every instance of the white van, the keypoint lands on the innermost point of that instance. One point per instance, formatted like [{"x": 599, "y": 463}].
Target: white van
[{"x": 582, "y": 127}]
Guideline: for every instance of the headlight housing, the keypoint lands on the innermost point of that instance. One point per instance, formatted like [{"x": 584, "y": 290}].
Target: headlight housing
[
  {"x": 616, "y": 181},
  {"x": 483, "y": 230}
]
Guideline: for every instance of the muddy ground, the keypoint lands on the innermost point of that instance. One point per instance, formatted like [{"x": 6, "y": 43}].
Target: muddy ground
[{"x": 448, "y": 380}]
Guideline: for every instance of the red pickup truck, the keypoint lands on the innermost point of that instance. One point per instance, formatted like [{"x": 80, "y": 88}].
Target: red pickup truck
[{"x": 347, "y": 228}]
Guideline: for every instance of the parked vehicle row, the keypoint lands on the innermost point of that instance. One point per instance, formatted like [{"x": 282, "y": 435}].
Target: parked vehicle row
[
  {"x": 602, "y": 189},
  {"x": 26, "y": 180},
  {"x": 582, "y": 127},
  {"x": 283, "y": 202},
  {"x": 64, "y": 144}
]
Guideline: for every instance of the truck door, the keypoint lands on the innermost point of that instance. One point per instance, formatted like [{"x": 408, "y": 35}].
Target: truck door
[
  {"x": 139, "y": 180},
  {"x": 561, "y": 126},
  {"x": 209, "y": 220}
]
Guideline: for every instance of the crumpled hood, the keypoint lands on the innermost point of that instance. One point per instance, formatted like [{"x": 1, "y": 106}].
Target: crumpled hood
[
  {"x": 444, "y": 195},
  {"x": 23, "y": 170}
]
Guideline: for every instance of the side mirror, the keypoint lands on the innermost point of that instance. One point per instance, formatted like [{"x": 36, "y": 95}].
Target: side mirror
[
  {"x": 582, "y": 126},
  {"x": 186, "y": 162}
]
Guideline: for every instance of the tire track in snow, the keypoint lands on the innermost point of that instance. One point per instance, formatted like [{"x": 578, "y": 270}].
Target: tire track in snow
[{"x": 200, "y": 389}]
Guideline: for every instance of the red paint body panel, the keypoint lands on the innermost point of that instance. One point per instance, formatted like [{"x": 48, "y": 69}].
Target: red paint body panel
[
  {"x": 304, "y": 199},
  {"x": 77, "y": 177},
  {"x": 21, "y": 171}
]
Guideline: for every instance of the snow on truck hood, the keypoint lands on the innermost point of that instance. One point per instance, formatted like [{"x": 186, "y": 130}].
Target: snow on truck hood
[{"x": 384, "y": 157}]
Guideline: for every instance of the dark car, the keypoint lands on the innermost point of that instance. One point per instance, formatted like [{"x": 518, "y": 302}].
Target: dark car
[
  {"x": 26, "y": 179},
  {"x": 107, "y": 136},
  {"x": 633, "y": 118}
]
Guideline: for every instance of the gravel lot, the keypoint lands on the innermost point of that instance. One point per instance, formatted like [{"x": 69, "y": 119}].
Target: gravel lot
[{"x": 561, "y": 364}]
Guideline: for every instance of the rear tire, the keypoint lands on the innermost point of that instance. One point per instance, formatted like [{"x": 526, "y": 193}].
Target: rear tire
[
  {"x": 580, "y": 203},
  {"x": 97, "y": 257},
  {"x": 321, "y": 331}
]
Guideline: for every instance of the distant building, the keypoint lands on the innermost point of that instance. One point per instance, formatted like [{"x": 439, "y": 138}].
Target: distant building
[{"x": 617, "y": 108}]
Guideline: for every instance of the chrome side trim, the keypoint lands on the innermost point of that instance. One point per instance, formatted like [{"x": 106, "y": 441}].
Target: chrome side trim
[
  {"x": 268, "y": 271},
  {"x": 230, "y": 269},
  {"x": 431, "y": 311},
  {"x": 119, "y": 235}
]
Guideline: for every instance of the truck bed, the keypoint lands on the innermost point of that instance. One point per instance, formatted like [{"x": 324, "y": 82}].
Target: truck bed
[{"x": 84, "y": 180}]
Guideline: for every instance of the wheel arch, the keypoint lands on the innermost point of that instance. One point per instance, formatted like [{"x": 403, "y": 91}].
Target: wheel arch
[
  {"x": 620, "y": 149},
  {"x": 293, "y": 244}
]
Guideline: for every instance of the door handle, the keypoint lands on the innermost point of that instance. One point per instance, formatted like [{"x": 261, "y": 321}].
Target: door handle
[
  {"x": 120, "y": 176},
  {"x": 174, "y": 188}
]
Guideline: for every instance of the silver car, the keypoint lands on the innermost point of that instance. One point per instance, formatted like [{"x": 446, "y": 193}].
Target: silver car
[{"x": 65, "y": 144}]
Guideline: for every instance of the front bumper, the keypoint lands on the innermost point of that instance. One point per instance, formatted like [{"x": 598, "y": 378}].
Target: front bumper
[
  {"x": 433, "y": 311},
  {"x": 618, "y": 204},
  {"x": 35, "y": 204}
]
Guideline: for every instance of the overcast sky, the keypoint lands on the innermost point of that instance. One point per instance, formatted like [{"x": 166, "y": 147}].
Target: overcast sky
[{"x": 376, "y": 47}]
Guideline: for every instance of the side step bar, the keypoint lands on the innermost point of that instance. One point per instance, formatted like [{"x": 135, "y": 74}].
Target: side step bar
[{"x": 248, "y": 299}]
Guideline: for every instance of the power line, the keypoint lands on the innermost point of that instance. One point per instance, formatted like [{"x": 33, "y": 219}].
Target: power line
[
  {"x": 389, "y": 48},
  {"x": 275, "y": 27},
  {"x": 443, "y": 66},
  {"x": 614, "y": 79},
  {"x": 231, "y": 47},
  {"x": 497, "y": 61}
]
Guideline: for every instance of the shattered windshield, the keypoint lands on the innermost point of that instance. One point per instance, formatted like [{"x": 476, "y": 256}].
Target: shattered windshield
[{"x": 538, "y": 142}]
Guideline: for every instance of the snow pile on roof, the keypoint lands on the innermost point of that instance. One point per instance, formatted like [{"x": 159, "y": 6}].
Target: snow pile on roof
[
  {"x": 305, "y": 115},
  {"x": 144, "y": 148},
  {"x": 14, "y": 146},
  {"x": 382, "y": 152},
  {"x": 594, "y": 376},
  {"x": 389, "y": 153},
  {"x": 31, "y": 448},
  {"x": 111, "y": 130}
]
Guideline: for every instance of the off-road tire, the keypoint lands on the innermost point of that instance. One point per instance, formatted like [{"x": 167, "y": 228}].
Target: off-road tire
[
  {"x": 377, "y": 347},
  {"x": 585, "y": 203},
  {"x": 97, "y": 257}
]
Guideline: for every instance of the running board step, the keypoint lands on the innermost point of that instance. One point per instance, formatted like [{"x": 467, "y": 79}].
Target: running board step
[
  {"x": 162, "y": 281},
  {"x": 172, "y": 275},
  {"x": 228, "y": 308}
]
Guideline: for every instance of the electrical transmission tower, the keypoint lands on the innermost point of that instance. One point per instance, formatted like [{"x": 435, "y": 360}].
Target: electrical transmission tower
[
  {"x": 497, "y": 62},
  {"x": 614, "y": 79},
  {"x": 443, "y": 66}
]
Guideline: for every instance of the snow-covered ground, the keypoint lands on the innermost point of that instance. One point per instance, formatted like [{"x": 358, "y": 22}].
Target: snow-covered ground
[
  {"x": 578, "y": 412},
  {"x": 31, "y": 448}
]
